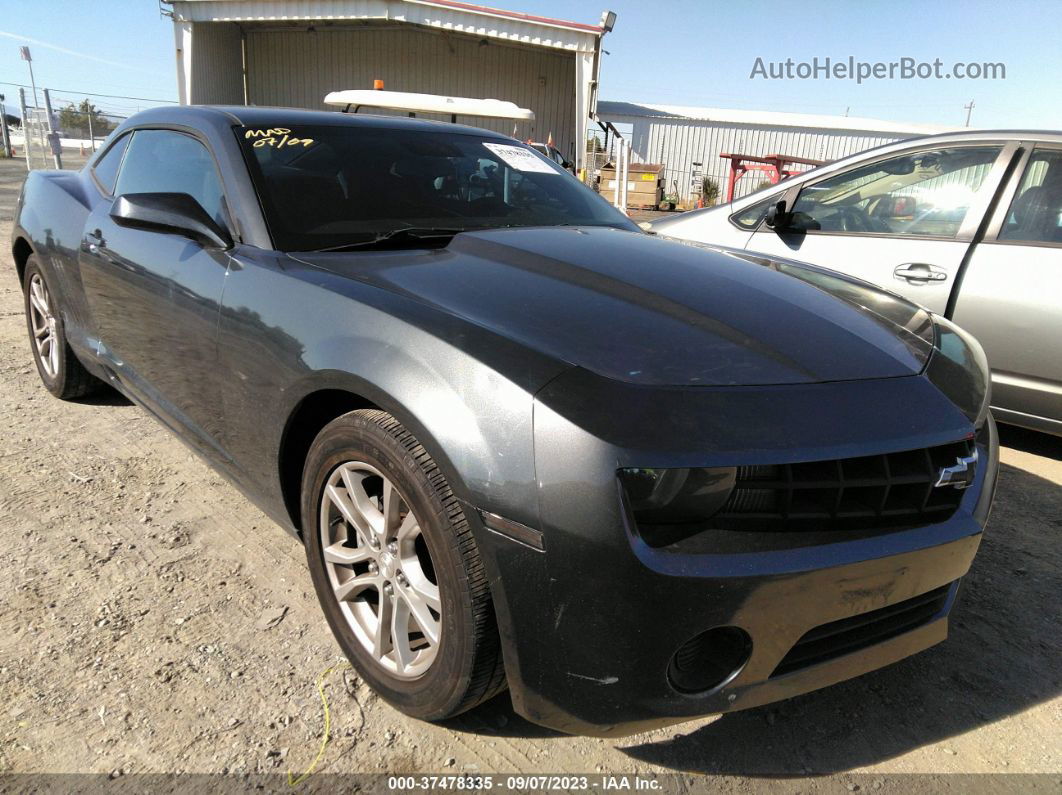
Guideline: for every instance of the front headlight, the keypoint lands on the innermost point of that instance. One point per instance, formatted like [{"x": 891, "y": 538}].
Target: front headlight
[
  {"x": 959, "y": 369},
  {"x": 670, "y": 504}
]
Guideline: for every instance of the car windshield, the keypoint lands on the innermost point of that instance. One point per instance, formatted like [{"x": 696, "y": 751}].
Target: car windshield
[{"x": 331, "y": 186}]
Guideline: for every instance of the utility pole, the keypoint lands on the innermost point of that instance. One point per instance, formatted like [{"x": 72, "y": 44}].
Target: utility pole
[
  {"x": 3, "y": 129},
  {"x": 53, "y": 136},
  {"x": 25, "y": 53},
  {"x": 25, "y": 128},
  {"x": 969, "y": 109}
]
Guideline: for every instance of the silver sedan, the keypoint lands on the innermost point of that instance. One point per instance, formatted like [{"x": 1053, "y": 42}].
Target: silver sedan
[{"x": 967, "y": 224}]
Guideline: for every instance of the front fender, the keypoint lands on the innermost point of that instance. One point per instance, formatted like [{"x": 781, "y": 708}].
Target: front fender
[
  {"x": 475, "y": 459},
  {"x": 289, "y": 331}
]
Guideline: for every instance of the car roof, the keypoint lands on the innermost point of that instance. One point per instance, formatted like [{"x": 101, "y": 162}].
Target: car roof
[
  {"x": 960, "y": 136},
  {"x": 217, "y": 116}
]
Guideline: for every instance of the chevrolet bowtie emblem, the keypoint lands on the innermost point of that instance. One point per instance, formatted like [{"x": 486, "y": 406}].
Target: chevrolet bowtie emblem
[{"x": 960, "y": 475}]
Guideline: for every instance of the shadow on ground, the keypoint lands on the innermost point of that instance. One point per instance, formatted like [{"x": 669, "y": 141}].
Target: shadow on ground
[
  {"x": 497, "y": 718},
  {"x": 1001, "y": 658},
  {"x": 107, "y": 396},
  {"x": 1027, "y": 441}
]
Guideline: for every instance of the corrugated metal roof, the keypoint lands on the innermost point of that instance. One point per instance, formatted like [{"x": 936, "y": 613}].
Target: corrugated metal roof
[
  {"x": 760, "y": 118},
  {"x": 449, "y": 15}
]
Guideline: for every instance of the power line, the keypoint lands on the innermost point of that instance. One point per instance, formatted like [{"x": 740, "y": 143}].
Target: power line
[{"x": 91, "y": 94}]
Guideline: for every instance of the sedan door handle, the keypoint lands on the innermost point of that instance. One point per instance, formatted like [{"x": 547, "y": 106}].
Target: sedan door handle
[{"x": 919, "y": 272}]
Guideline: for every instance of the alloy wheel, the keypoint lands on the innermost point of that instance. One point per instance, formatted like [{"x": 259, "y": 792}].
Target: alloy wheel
[
  {"x": 42, "y": 322},
  {"x": 380, "y": 569}
]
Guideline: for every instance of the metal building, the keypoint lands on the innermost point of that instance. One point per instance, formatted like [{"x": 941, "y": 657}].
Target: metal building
[
  {"x": 293, "y": 52},
  {"x": 689, "y": 141}
]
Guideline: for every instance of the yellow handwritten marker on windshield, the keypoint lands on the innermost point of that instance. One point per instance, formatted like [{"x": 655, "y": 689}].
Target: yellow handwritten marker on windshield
[
  {"x": 268, "y": 138},
  {"x": 266, "y": 133}
]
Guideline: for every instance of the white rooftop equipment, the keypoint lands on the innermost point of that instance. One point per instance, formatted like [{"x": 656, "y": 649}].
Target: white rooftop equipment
[{"x": 352, "y": 100}]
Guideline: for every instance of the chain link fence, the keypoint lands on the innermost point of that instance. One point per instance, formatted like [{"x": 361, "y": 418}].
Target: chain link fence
[{"x": 76, "y": 127}]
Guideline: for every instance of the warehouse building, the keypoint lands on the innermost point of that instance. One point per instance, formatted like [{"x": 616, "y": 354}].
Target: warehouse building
[
  {"x": 293, "y": 52},
  {"x": 689, "y": 141}
]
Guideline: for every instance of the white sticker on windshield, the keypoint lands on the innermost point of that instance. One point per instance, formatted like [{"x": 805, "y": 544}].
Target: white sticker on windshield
[{"x": 521, "y": 159}]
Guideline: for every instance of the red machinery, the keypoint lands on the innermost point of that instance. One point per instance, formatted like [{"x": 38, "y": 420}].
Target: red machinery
[{"x": 776, "y": 167}]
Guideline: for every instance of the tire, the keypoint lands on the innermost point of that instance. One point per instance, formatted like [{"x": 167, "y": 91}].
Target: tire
[
  {"x": 360, "y": 453},
  {"x": 61, "y": 372}
]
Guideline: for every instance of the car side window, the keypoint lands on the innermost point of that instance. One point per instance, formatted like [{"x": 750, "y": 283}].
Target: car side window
[
  {"x": 165, "y": 161},
  {"x": 1035, "y": 214},
  {"x": 919, "y": 194},
  {"x": 106, "y": 168},
  {"x": 751, "y": 216}
]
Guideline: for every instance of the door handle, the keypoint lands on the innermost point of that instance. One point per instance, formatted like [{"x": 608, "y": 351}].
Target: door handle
[{"x": 919, "y": 272}]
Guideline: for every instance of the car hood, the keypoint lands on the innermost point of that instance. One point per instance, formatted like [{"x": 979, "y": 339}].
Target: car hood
[{"x": 643, "y": 310}]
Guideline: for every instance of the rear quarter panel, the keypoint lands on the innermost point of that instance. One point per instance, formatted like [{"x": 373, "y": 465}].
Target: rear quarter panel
[{"x": 51, "y": 218}]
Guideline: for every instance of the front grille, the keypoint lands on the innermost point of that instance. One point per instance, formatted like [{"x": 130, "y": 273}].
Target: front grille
[
  {"x": 875, "y": 491},
  {"x": 858, "y": 632}
]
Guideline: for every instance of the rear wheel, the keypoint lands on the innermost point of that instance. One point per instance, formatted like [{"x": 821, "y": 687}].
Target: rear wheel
[
  {"x": 396, "y": 569},
  {"x": 58, "y": 366}
]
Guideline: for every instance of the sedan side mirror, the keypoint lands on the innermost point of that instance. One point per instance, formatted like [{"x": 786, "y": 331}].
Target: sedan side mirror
[
  {"x": 177, "y": 213},
  {"x": 777, "y": 218}
]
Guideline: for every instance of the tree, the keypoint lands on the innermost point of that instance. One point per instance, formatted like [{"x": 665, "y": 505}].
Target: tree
[
  {"x": 76, "y": 118},
  {"x": 709, "y": 191}
]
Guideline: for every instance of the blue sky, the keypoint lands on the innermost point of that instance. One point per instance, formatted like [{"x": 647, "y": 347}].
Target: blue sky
[{"x": 681, "y": 52}]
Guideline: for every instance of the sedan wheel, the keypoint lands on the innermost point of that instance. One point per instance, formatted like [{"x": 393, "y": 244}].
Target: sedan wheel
[
  {"x": 381, "y": 572},
  {"x": 396, "y": 568}
]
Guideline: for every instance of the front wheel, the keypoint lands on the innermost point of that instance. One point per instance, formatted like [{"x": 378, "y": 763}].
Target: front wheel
[{"x": 396, "y": 569}]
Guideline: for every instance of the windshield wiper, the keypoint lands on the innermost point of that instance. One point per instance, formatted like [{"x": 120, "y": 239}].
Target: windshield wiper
[{"x": 406, "y": 233}]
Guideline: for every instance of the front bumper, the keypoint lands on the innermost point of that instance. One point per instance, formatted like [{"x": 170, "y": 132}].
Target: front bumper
[{"x": 591, "y": 624}]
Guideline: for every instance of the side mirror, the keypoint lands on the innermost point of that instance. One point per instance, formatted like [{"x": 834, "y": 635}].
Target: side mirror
[
  {"x": 777, "y": 218},
  {"x": 176, "y": 213}
]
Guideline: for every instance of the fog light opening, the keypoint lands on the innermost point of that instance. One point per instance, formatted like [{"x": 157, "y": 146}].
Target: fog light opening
[{"x": 709, "y": 660}]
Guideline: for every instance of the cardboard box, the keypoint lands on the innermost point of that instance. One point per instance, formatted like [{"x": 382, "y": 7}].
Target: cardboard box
[{"x": 645, "y": 185}]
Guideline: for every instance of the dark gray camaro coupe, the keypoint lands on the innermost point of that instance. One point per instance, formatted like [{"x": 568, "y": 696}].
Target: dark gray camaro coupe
[{"x": 524, "y": 443}]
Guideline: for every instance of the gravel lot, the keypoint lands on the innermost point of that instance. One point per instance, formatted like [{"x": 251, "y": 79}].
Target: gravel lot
[{"x": 153, "y": 621}]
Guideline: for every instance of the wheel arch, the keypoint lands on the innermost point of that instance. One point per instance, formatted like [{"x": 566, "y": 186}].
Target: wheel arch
[
  {"x": 21, "y": 251},
  {"x": 327, "y": 401}
]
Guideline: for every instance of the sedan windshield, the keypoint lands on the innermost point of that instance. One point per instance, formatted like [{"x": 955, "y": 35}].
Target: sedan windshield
[{"x": 338, "y": 186}]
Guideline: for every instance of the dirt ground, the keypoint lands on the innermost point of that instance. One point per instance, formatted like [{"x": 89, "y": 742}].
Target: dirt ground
[{"x": 151, "y": 620}]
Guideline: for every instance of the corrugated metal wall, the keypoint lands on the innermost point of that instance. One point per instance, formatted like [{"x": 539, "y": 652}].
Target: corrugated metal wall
[
  {"x": 679, "y": 143},
  {"x": 297, "y": 68},
  {"x": 217, "y": 64}
]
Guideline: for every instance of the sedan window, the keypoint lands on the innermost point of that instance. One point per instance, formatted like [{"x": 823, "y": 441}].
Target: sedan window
[
  {"x": 345, "y": 185},
  {"x": 164, "y": 161},
  {"x": 1035, "y": 215},
  {"x": 922, "y": 194}
]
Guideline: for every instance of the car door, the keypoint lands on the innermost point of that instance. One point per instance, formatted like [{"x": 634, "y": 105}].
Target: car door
[
  {"x": 904, "y": 221},
  {"x": 154, "y": 296},
  {"x": 1010, "y": 297}
]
